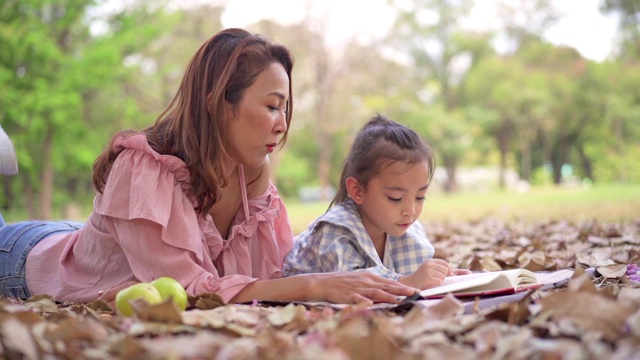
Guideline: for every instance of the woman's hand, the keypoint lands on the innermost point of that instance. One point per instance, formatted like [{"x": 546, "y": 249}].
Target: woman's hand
[
  {"x": 357, "y": 288},
  {"x": 431, "y": 273}
]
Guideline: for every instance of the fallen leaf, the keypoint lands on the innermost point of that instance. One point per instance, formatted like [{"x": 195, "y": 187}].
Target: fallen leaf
[
  {"x": 589, "y": 311},
  {"x": 17, "y": 339},
  {"x": 612, "y": 271}
]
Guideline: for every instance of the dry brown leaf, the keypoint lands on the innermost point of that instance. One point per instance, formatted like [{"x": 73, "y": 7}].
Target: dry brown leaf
[
  {"x": 633, "y": 323},
  {"x": 613, "y": 271},
  {"x": 213, "y": 318},
  {"x": 515, "y": 313},
  {"x": 206, "y": 301},
  {"x": 630, "y": 296},
  {"x": 243, "y": 315},
  {"x": 489, "y": 264},
  {"x": 449, "y": 306},
  {"x": 534, "y": 261},
  {"x": 285, "y": 315},
  {"x": 595, "y": 257},
  {"x": 360, "y": 338},
  {"x": 100, "y": 306},
  {"x": 42, "y": 304},
  {"x": 289, "y": 318},
  {"x": 164, "y": 312},
  {"x": 77, "y": 329},
  {"x": 589, "y": 311},
  {"x": 486, "y": 336},
  {"x": 17, "y": 338},
  {"x": 579, "y": 327},
  {"x": 581, "y": 282},
  {"x": 202, "y": 345},
  {"x": 557, "y": 349}
]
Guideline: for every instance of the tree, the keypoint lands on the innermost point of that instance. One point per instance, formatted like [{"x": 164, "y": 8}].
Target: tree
[
  {"x": 629, "y": 11},
  {"x": 53, "y": 68},
  {"x": 429, "y": 31}
]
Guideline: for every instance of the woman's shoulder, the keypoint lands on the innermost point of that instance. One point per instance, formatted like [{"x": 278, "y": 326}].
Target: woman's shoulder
[
  {"x": 143, "y": 184},
  {"x": 134, "y": 149}
]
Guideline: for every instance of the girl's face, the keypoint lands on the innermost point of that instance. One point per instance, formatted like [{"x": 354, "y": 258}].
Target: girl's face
[
  {"x": 393, "y": 200},
  {"x": 259, "y": 118}
]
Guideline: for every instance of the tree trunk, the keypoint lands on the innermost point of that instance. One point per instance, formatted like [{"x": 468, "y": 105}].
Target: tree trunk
[
  {"x": 46, "y": 194},
  {"x": 450, "y": 166},
  {"x": 558, "y": 158},
  {"x": 504, "y": 138},
  {"x": 587, "y": 166},
  {"x": 29, "y": 199},
  {"x": 6, "y": 190},
  {"x": 324, "y": 164},
  {"x": 526, "y": 160}
]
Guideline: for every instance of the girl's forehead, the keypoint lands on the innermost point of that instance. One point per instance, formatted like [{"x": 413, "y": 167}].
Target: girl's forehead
[
  {"x": 401, "y": 172},
  {"x": 393, "y": 167}
]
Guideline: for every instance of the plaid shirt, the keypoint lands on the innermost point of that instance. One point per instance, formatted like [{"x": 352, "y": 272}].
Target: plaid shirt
[{"x": 338, "y": 241}]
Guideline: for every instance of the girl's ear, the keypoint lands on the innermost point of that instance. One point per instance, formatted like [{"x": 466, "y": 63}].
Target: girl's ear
[{"x": 355, "y": 191}]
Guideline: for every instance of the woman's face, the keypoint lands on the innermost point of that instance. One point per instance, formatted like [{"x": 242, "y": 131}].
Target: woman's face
[{"x": 259, "y": 118}]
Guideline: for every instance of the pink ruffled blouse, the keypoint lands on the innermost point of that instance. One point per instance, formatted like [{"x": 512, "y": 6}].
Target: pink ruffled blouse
[{"x": 144, "y": 226}]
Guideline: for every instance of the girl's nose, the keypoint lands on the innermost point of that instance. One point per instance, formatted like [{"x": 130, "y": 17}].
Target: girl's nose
[{"x": 409, "y": 211}]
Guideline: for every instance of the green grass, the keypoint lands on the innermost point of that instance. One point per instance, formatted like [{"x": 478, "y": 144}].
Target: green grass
[{"x": 605, "y": 203}]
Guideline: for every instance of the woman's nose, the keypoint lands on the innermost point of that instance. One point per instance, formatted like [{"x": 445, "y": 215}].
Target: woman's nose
[{"x": 281, "y": 124}]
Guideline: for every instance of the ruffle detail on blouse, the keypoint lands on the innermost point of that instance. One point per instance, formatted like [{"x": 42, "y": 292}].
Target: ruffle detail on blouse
[
  {"x": 265, "y": 207},
  {"x": 138, "y": 141},
  {"x": 143, "y": 184},
  {"x": 266, "y": 232}
]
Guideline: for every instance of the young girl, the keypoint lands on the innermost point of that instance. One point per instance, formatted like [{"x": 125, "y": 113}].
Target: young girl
[
  {"x": 372, "y": 223},
  {"x": 189, "y": 197}
]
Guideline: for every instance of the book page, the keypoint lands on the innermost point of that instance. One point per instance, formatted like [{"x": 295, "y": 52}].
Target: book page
[
  {"x": 553, "y": 277},
  {"x": 487, "y": 276},
  {"x": 515, "y": 279},
  {"x": 473, "y": 281},
  {"x": 522, "y": 277}
]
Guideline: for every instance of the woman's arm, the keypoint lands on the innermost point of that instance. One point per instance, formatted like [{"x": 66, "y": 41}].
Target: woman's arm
[{"x": 335, "y": 287}]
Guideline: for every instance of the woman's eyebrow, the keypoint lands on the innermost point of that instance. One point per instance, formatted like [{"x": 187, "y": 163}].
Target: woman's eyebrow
[{"x": 278, "y": 94}]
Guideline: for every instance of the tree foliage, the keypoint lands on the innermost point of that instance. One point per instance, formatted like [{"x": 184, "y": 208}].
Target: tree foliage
[{"x": 73, "y": 72}]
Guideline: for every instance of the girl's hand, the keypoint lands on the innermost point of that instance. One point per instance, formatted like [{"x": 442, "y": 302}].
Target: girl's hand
[
  {"x": 461, "y": 271},
  {"x": 429, "y": 274},
  {"x": 357, "y": 288}
]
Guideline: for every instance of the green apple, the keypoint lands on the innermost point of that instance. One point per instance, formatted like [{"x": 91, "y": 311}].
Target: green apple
[
  {"x": 144, "y": 291},
  {"x": 171, "y": 288}
]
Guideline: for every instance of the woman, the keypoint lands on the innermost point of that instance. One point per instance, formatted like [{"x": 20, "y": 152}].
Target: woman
[{"x": 189, "y": 197}]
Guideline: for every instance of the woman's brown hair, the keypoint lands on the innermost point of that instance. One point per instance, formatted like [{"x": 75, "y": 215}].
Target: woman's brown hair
[{"x": 193, "y": 127}]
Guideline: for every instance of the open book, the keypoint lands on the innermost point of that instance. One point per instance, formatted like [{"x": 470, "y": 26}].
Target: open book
[{"x": 493, "y": 283}]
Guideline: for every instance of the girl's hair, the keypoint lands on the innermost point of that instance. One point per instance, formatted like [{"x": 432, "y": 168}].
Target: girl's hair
[
  {"x": 380, "y": 143},
  {"x": 193, "y": 126}
]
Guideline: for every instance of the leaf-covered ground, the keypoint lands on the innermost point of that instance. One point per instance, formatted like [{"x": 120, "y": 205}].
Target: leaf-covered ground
[{"x": 589, "y": 318}]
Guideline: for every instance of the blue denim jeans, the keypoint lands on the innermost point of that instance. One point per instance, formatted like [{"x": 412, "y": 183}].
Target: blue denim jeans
[{"x": 16, "y": 241}]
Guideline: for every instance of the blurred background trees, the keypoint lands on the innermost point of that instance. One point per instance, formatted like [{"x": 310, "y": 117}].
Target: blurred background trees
[{"x": 73, "y": 72}]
